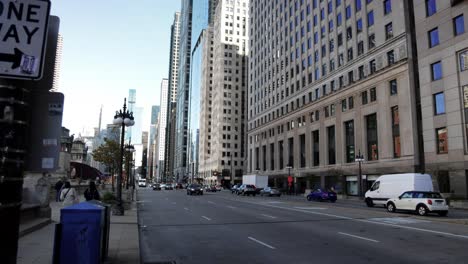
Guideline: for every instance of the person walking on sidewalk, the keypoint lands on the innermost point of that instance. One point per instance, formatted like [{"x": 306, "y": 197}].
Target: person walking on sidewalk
[
  {"x": 92, "y": 193},
  {"x": 58, "y": 189},
  {"x": 68, "y": 195}
]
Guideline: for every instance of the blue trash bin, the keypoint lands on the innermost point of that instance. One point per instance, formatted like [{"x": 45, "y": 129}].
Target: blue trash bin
[{"x": 82, "y": 226}]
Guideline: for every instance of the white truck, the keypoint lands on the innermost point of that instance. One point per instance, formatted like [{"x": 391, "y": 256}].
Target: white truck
[
  {"x": 393, "y": 185},
  {"x": 260, "y": 181}
]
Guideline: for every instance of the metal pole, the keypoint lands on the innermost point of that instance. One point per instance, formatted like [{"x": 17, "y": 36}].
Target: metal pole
[
  {"x": 14, "y": 104},
  {"x": 230, "y": 173},
  {"x": 119, "y": 210},
  {"x": 360, "y": 180}
]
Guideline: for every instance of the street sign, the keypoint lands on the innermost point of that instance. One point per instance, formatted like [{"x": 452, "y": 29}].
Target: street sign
[{"x": 23, "y": 31}]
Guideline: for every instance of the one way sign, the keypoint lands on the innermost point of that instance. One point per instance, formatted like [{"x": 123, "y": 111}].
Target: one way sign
[{"x": 23, "y": 31}]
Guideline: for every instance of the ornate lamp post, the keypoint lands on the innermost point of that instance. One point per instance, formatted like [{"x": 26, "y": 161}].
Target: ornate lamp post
[
  {"x": 122, "y": 118},
  {"x": 130, "y": 149},
  {"x": 359, "y": 159}
]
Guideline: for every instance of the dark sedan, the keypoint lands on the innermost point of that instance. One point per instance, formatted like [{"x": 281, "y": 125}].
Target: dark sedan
[
  {"x": 321, "y": 195},
  {"x": 194, "y": 189},
  {"x": 156, "y": 187}
]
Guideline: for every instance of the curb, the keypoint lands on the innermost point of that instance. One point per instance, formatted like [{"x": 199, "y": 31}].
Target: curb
[{"x": 34, "y": 227}]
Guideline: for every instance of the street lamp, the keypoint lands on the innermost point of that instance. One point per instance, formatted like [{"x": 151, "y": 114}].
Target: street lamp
[
  {"x": 359, "y": 159},
  {"x": 130, "y": 149},
  {"x": 289, "y": 175},
  {"x": 122, "y": 118}
]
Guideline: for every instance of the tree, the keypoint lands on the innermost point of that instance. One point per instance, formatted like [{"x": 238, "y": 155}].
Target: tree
[{"x": 109, "y": 155}]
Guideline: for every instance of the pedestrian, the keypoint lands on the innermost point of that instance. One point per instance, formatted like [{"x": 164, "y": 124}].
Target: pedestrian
[
  {"x": 58, "y": 189},
  {"x": 92, "y": 193},
  {"x": 68, "y": 195}
]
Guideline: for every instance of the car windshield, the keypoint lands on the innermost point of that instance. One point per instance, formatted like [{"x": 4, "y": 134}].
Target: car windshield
[{"x": 194, "y": 186}]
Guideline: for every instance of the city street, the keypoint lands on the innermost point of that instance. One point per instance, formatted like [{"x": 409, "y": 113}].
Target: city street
[{"x": 225, "y": 228}]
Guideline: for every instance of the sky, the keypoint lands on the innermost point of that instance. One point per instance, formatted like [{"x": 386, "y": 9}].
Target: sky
[{"x": 109, "y": 47}]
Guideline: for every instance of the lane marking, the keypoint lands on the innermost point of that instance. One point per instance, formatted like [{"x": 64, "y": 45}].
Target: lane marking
[
  {"x": 185, "y": 208},
  {"x": 261, "y": 243},
  {"x": 232, "y": 207},
  {"x": 398, "y": 220},
  {"x": 359, "y": 237},
  {"x": 310, "y": 208},
  {"x": 167, "y": 198},
  {"x": 207, "y": 218},
  {"x": 359, "y": 220},
  {"x": 275, "y": 202},
  {"x": 174, "y": 203},
  {"x": 211, "y": 202},
  {"x": 269, "y": 216}
]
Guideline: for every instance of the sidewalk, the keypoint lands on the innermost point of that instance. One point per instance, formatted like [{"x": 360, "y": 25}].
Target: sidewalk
[{"x": 37, "y": 247}]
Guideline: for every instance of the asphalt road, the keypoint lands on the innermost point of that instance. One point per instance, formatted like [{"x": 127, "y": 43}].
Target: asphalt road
[{"x": 224, "y": 228}]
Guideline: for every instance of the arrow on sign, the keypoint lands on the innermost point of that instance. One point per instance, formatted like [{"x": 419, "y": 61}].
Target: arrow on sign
[{"x": 14, "y": 58}]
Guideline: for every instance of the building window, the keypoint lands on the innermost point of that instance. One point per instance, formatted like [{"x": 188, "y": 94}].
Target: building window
[
  {"x": 359, "y": 25},
  {"x": 338, "y": 19},
  {"x": 372, "y": 140},
  {"x": 439, "y": 103},
  {"x": 390, "y": 57},
  {"x": 349, "y": 140},
  {"x": 332, "y": 109},
  {"x": 458, "y": 25},
  {"x": 349, "y": 33},
  {"x": 361, "y": 72},
  {"x": 436, "y": 71},
  {"x": 433, "y": 36},
  {"x": 302, "y": 150},
  {"x": 364, "y": 97},
  {"x": 370, "y": 18},
  {"x": 388, "y": 31},
  {"x": 441, "y": 140},
  {"x": 326, "y": 110},
  {"x": 264, "y": 158},
  {"x": 331, "y": 145},
  {"x": 281, "y": 153},
  {"x": 350, "y": 77},
  {"x": 351, "y": 102},
  {"x": 291, "y": 152},
  {"x": 393, "y": 87},
  {"x": 272, "y": 156},
  {"x": 350, "y": 54},
  {"x": 373, "y": 94},
  {"x": 464, "y": 60},
  {"x": 360, "y": 48},
  {"x": 430, "y": 7},
  {"x": 387, "y": 7},
  {"x": 257, "y": 159},
  {"x": 340, "y": 39},
  {"x": 372, "y": 67},
  {"x": 371, "y": 41},
  {"x": 330, "y": 7},
  {"x": 348, "y": 12},
  {"x": 343, "y": 105},
  {"x": 332, "y": 45},
  {"x": 316, "y": 148},
  {"x": 396, "y": 132},
  {"x": 330, "y": 26},
  {"x": 358, "y": 5}
]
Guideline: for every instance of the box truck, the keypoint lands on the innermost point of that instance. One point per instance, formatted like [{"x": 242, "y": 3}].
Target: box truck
[
  {"x": 393, "y": 185},
  {"x": 260, "y": 181}
]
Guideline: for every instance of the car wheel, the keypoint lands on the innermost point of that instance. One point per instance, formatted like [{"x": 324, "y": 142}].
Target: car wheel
[
  {"x": 369, "y": 202},
  {"x": 444, "y": 213},
  {"x": 391, "y": 207},
  {"x": 421, "y": 210},
  {"x": 201, "y": 193},
  {"x": 309, "y": 198}
]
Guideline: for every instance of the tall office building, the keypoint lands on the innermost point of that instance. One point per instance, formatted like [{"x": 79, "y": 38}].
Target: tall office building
[
  {"x": 155, "y": 109},
  {"x": 172, "y": 94},
  {"x": 162, "y": 124},
  {"x": 200, "y": 84},
  {"x": 136, "y": 129},
  {"x": 58, "y": 63},
  {"x": 182, "y": 99},
  {"x": 131, "y": 103},
  {"x": 327, "y": 81},
  {"x": 442, "y": 46}
]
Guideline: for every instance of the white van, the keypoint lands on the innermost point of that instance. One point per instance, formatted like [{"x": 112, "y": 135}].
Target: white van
[
  {"x": 142, "y": 183},
  {"x": 393, "y": 185}
]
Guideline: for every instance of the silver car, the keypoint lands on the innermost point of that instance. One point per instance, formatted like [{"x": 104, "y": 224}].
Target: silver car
[{"x": 270, "y": 192}]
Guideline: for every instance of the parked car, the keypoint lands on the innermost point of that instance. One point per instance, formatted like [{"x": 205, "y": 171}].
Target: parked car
[
  {"x": 218, "y": 188},
  {"x": 270, "y": 192},
  {"x": 420, "y": 202},
  {"x": 235, "y": 187},
  {"x": 194, "y": 189},
  {"x": 156, "y": 187},
  {"x": 392, "y": 185},
  {"x": 322, "y": 195},
  {"x": 168, "y": 187},
  {"x": 211, "y": 188},
  {"x": 246, "y": 189},
  {"x": 142, "y": 183}
]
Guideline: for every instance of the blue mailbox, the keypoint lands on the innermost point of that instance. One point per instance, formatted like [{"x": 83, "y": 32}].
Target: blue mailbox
[{"x": 82, "y": 233}]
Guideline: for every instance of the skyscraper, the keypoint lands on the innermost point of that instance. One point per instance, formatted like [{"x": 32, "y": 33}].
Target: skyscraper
[
  {"x": 131, "y": 102},
  {"x": 58, "y": 61},
  {"x": 162, "y": 125},
  {"x": 180, "y": 148},
  {"x": 155, "y": 109},
  {"x": 172, "y": 95}
]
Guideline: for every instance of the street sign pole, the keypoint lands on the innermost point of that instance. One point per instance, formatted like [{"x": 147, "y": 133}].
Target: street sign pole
[{"x": 23, "y": 31}]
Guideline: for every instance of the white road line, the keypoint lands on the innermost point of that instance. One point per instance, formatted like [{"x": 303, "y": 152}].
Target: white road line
[
  {"x": 174, "y": 203},
  {"x": 232, "y": 207},
  {"x": 270, "y": 216},
  {"x": 185, "y": 208},
  {"x": 360, "y": 220},
  {"x": 211, "y": 202},
  {"x": 261, "y": 243},
  {"x": 209, "y": 219},
  {"x": 310, "y": 208},
  {"x": 167, "y": 198},
  {"x": 364, "y": 238}
]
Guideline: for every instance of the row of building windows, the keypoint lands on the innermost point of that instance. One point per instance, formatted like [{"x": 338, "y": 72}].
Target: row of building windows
[{"x": 458, "y": 29}]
